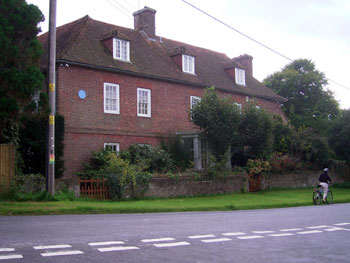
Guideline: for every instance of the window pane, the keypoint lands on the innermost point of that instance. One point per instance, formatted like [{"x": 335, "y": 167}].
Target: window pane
[
  {"x": 144, "y": 102},
  {"x": 111, "y": 98}
]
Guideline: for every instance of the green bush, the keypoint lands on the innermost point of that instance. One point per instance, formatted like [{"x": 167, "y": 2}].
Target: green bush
[
  {"x": 179, "y": 151},
  {"x": 149, "y": 159},
  {"x": 119, "y": 172}
]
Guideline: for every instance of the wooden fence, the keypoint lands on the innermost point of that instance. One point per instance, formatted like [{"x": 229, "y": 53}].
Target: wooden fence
[
  {"x": 7, "y": 166},
  {"x": 94, "y": 189}
]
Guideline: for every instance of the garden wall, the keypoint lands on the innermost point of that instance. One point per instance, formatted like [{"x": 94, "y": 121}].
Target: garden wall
[
  {"x": 293, "y": 180},
  {"x": 187, "y": 186}
]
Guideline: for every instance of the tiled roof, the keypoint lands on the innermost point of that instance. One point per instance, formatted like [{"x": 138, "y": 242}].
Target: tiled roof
[{"x": 81, "y": 41}]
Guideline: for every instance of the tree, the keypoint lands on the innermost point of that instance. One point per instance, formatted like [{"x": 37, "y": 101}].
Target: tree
[
  {"x": 308, "y": 104},
  {"x": 33, "y": 145},
  {"x": 339, "y": 136},
  {"x": 218, "y": 119},
  {"x": 20, "y": 78},
  {"x": 308, "y": 147},
  {"x": 255, "y": 131}
]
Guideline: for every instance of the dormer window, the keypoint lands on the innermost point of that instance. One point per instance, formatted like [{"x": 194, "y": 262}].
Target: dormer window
[
  {"x": 188, "y": 64},
  {"x": 240, "y": 76},
  {"x": 121, "y": 49}
]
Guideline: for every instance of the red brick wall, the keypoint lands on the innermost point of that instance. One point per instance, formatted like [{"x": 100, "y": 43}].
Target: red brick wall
[
  {"x": 87, "y": 127},
  {"x": 108, "y": 44}
]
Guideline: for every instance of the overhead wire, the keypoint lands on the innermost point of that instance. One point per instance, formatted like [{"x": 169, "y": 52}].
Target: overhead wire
[
  {"x": 120, "y": 10},
  {"x": 252, "y": 39}
]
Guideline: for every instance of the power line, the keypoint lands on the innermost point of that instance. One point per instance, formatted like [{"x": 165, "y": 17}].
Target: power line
[
  {"x": 120, "y": 10},
  {"x": 130, "y": 5},
  {"x": 252, "y": 39},
  {"x": 232, "y": 28},
  {"x": 121, "y": 6}
]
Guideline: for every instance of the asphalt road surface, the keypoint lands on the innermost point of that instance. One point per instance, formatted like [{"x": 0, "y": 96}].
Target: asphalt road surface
[{"x": 303, "y": 234}]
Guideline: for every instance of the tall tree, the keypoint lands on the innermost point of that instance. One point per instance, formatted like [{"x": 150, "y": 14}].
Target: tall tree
[
  {"x": 256, "y": 131},
  {"x": 20, "y": 78},
  {"x": 218, "y": 119},
  {"x": 339, "y": 136},
  {"x": 309, "y": 104}
]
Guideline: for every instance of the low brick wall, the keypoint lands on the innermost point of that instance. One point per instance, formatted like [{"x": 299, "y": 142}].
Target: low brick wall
[
  {"x": 306, "y": 179},
  {"x": 187, "y": 186}
]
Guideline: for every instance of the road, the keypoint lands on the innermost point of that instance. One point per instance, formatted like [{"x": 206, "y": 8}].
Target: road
[{"x": 303, "y": 234}]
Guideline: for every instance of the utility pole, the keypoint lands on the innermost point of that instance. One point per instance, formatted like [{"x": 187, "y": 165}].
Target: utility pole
[{"x": 50, "y": 171}]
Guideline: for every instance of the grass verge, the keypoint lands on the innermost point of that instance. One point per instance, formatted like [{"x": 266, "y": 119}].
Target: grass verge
[{"x": 235, "y": 201}]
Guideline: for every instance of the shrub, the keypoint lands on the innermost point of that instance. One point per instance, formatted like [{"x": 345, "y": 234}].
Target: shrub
[
  {"x": 256, "y": 167},
  {"x": 149, "y": 159},
  {"x": 179, "y": 151},
  {"x": 118, "y": 171},
  {"x": 283, "y": 163}
]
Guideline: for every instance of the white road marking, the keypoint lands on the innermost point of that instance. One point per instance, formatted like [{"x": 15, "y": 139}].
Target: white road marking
[
  {"x": 7, "y": 249},
  {"x": 216, "y": 240},
  {"x": 233, "y": 234},
  {"x": 52, "y": 247},
  {"x": 335, "y": 229},
  {"x": 158, "y": 239},
  {"x": 10, "y": 257},
  {"x": 342, "y": 224},
  {"x": 281, "y": 235},
  {"x": 310, "y": 232},
  {"x": 316, "y": 227},
  {"x": 62, "y": 253},
  {"x": 200, "y": 236},
  {"x": 263, "y": 232},
  {"x": 106, "y": 243},
  {"x": 291, "y": 229},
  {"x": 176, "y": 244},
  {"x": 250, "y": 237},
  {"x": 109, "y": 249}
]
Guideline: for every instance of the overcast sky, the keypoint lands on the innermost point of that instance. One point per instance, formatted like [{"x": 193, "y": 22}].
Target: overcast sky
[{"x": 318, "y": 30}]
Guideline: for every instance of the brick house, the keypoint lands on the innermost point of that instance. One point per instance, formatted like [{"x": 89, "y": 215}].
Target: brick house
[{"x": 118, "y": 86}]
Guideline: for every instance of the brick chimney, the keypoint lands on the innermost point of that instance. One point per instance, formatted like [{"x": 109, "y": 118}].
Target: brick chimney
[
  {"x": 246, "y": 61},
  {"x": 144, "y": 20}
]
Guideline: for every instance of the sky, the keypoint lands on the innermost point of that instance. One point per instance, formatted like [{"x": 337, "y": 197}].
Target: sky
[{"x": 318, "y": 30}]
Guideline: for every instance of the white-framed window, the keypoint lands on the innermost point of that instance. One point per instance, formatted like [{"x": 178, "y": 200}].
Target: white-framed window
[
  {"x": 143, "y": 102},
  {"x": 188, "y": 64},
  {"x": 194, "y": 101},
  {"x": 111, "y": 98},
  {"x": 239, "y": 106},
  {"x": 114, "y": 146},
  {"x": 240, "y": 76},
  {"x": 121, "y": 49}
]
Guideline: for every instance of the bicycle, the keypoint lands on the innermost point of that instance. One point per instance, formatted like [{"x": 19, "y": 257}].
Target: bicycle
[{"x": 318, "y": 196}]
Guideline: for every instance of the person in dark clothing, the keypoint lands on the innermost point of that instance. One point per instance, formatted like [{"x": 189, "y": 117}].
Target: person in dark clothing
[{"x": 324, "y": 181}]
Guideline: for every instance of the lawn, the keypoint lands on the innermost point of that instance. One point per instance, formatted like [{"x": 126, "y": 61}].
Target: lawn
[{"x": 234, "y": 201}]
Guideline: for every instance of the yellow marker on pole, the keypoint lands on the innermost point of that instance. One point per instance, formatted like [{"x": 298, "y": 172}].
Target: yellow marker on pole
[
  {"x": 52, "y": 87},
  {"x": 52, "y": 120}
]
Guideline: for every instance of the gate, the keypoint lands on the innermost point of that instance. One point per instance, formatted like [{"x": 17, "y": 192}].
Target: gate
[
  {"x": 7, "y": 166},
  {"x": 94, "y": 189},
  {"x": 254, "y": 183}
]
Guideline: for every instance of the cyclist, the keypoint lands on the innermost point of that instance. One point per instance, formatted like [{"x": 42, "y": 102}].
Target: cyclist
[{"x": 324, "y": 180}]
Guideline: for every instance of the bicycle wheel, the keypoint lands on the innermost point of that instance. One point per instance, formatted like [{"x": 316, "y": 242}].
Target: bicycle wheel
[
  {"x": 316, "y": 198},
  {"x": 329, "y": 198}
]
